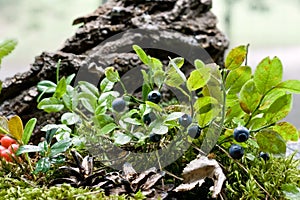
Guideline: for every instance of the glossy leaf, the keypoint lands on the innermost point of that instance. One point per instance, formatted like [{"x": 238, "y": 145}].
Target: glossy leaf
[
  {"x": 112, "y": 75},
  {"x": 60, "y": 147},
  {"x": 173, "y": 116},
  {"x": 121, "y": 138},
  {"x": 270, "y": 98},
  {"x": 46, "y": 86},
  {"x": 27, "y": 149},
  {"x": 50, "y": 134},
  {"x": 279, "y": 109},
  {"x": 159, "y": 129},
  {"x": 141, "y": 54},
  {"x": 154, "y": 106},
  {"x": 198, "y": 78},
  {"x": 15, "y": 127},
  {"x": 249, "y": 97},
  {"x": 287, "y": 131},
  {"x": 292, "y": 86},
  {"x": 43, "y": 165},
  {"x": 69, "y": 118},
  {"x": 61, "y": 88},
  {"x": 106, "y": 85},
  {"x": 108, "y": 128},
  {"x": 236, "y": 57},
  {"x": 89, "y": 88},
  {"x": 29, "y": 127},
  {"x": 237, "y": 78},
  {"x": 51, "y": 104},
  {"x": 270, "y": 141},
  {"x": 6, "y": 47},
  {"x": 199, "y": 64},
  {"x": 268, "y": 74}
]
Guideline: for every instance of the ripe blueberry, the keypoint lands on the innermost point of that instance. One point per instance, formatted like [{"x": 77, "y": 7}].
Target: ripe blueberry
[
  {"x": 148, "y": 118},
  {"x": 264, "y": 156},
  {"x": 154, "y": 137},
  {"x": 185, "y": 120},
  {"x": 241, "y": 134},
  {"x": 194, "y": 131},
  {"x": 236, "y": 151},
  {"x": 119, "y": 104},
  {"x": 154, "y": 96}
]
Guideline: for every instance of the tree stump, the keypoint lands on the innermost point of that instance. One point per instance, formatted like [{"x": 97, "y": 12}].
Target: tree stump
[{"x": 191, "y": 21}]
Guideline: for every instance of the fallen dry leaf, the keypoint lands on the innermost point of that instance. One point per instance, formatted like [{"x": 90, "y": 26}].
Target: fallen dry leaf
[{"x": 197, "y": 170}]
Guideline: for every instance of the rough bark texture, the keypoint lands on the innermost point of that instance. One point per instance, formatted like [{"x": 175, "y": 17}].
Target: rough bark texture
[{"x": 191, "y": 20}]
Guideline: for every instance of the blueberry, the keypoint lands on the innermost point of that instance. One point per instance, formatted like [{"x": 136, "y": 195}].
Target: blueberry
[
  {"x": 236, "y": 151},
  {"x": 194, "y": 131},
  {"x": 241, "y": 134},
  {"x": 148, "y": 118},
  {"x": 154, "y": 137},
  {"x": 185, "y": 120},
  {"x": 119, "y": 104},
  {"x": 264, "y": 156},
  {"x": 154, "y": 96}
]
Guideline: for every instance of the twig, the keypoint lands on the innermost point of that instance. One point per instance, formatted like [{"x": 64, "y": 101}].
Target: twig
[{"x": 173, "y": 175}]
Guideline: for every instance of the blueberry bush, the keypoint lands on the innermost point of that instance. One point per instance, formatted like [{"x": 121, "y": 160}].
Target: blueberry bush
[{"x": 228, "y": 113}]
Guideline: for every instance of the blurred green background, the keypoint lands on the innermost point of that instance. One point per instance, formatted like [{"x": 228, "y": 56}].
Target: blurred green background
[{"x": 269, "y": 26}]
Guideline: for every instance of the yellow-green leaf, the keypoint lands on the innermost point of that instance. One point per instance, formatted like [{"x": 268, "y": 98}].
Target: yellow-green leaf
[
  {"x": 198, "y": 78},
  {"x": 268, "y": 74},
  {"x": 287, "y": 131},
  {"x": 236, "y": 57},
  {"x": 15, "y": 127},
  {"x": 249, "y": 97}
]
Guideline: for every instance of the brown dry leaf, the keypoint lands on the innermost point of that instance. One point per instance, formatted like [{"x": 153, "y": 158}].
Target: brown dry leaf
[{"x": 197, "y": 170}]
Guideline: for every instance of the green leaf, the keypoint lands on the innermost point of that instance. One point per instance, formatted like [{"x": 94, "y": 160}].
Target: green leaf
[
  {"x": 108, "y": 128},
  {"x": 154, "y": 106},
  {"x": 106, "y": 85},
  {"x": 173, "y": 79},
  {"x": 179, "y": 72},
  {"x": 270, "y": 141},
  {"x": 3, "y": 125},
  {"x": 101, "y": 120},
  {"x": 69, "y": 118},
  {"x": 43, "y": 165},
  {"x": 291, "y": 191},
  {"x": 207, "y": 108},
  {"x": 133, "y": 121},
  {"x": 155, "y": 64},
  {"x": 27, "y": 149},
  {"x": 112, "y": 75},
  {"x": 141, "y": 54},
  {"x": 159, "y": 78},
  {"x": 279, "y": 109},
  {"x": 121, "y": 138},
  {"x": 287, "y": 131},
  {"x": 268, "y": 74},
  {"x": 257, "y": 123},
  {"x": 51, "y": 104},
  {"x": 199, "y": 64},
  {"x": 29, "y": 127},
  {"x": 270, "y": 98},
  {"x": 249, "y": 97},
  {"x": 50, "y": 134},
  {"x": 237, "y": 78},
  {"x": 179, "y": 61},
  {"x": 88, "y": 101},
  {"x": 61, "y": 88},
  {"x": 160, "y": 129},
  {"x": 6, "y": 47},
  {"x": 46, "y": 86},
  {"x": 89, "y": 88},
  {"x": 236, "y": 57},
  {"x": 146, "y": 89},
  {"x": 173, "y": 116},
  {"x": 198, "y": 78},
  {"x": 292, "y": 86},
  {"x": 60, "y": 147},
  {"x": 70, "y": 78}
]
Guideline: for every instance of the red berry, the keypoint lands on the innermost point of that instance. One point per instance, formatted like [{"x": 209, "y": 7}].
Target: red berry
[
  {"x": 13, "y": 148},
  {"x": 6, "y": 141},
  {"x": 2, "y": 148},
  {"x": 6, "y": 155}
]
